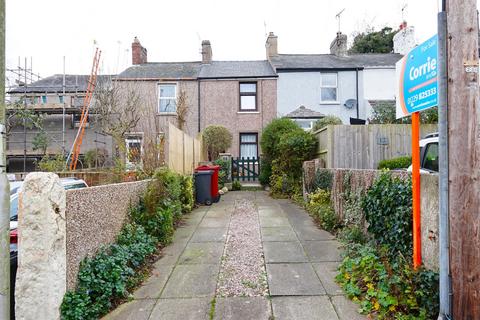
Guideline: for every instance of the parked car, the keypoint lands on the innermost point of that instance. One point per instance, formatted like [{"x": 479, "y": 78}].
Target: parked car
[
  {"x": 15, "y": 188},
  {"x": 428, "y": 154}
]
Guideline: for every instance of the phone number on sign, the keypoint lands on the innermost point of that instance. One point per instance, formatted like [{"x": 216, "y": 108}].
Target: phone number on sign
[{"x": 422, "y": 95}]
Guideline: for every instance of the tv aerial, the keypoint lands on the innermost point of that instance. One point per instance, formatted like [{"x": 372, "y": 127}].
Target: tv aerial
[{"x": 337, "y": 16}]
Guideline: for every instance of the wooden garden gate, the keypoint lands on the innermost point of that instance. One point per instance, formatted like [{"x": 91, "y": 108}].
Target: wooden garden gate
[{"x": 245, "y": 169}]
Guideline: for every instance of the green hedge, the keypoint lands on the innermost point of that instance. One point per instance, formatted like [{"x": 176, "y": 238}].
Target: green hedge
[
  {"x": 111, "y": 273},
  {"x": 395, "y": 163}
]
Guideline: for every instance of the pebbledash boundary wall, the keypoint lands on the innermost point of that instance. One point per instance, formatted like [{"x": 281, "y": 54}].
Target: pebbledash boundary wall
[
  {"x": 57, "y": 229},
  {"x": 360, "y": 180}
]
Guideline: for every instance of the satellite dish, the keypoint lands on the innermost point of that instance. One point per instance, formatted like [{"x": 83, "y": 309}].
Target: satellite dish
[{"x": 350, "y": 103}]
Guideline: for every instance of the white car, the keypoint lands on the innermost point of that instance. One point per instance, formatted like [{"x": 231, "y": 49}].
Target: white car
[
  {"x": 428, "y": 154},
  {"x": 15, "y": 187}
]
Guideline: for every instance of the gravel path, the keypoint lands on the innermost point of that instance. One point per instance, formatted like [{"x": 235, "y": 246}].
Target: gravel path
[{"x": 242, "y": 272}]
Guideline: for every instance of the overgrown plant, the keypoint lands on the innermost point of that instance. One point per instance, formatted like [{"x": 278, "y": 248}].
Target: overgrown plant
[
  {"x": 386, "y": 287},
  {"x": 319, "y": 206},
  {"x": 388, "y": 210},
  {"x": 217, "y": 139},
  {"x": 326, "y": 121},
  {"x": 52, "y": 163}
]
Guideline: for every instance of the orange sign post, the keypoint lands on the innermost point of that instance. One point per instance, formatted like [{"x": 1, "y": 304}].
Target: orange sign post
[{"x": 417, "y": 235}]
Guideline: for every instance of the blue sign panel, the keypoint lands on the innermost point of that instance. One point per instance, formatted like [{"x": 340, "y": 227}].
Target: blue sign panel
[{"x": 417, "y": 79}]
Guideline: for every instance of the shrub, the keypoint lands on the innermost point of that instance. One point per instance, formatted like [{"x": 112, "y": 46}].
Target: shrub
[
  {"x": 388, "y": 210},
  {"x": 395, "y": 163},
  {"x": 388, "y": 288},
  {"x": 271, "y": 136},
  {"x": 52, "y": 164},
  {"x": 95, "y": 157},
  {"x": 236, "y": 185},
  {"x": 108, "y": 275},
  {"x": 326, "y": 121},
  {"x": 323, "y": 179},
  {"x": 352, "y": 234},
  {"x": 294, "y": 148},
  {"x": 217, "y": 139},
  {"x": 224, "y": 172},
  {"x": 186, "y": 197},
  {"x": 320, "y": 208}
]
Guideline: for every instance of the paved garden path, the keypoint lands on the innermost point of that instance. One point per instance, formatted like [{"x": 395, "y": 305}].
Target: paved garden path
[{"x": 246, "y": 257}]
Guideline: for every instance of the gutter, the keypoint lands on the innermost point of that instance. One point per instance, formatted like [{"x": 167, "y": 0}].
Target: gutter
[
  {"x": 358, "y": 102},
  {"x": 198, "y": 97}
]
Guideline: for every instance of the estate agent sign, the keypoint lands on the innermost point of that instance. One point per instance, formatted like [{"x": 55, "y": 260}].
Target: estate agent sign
[{"x": 417, "y": 79}]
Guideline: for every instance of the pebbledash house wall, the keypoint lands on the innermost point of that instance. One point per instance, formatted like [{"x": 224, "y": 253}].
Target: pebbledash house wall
[{"x": 220, "y": 105}]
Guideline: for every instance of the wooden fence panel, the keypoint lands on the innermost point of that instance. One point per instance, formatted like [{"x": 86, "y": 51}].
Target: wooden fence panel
[
  {"x": 184, "y": 151},
  {"x": 363, "y": 147}
]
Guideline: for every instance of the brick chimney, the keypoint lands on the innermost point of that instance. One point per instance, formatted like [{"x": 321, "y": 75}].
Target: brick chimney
[
  {"x": 206, "y": 51},
  {"x": 404, "y": 39},
  {"x": 139, "y": 53},
  {"x": 271, "y": 45},
  {"x": 338, "y": 46}
]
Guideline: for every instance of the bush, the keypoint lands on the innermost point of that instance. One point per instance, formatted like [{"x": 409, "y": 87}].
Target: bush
[
  {"x": 236, "y": 185},
  {"x": 323, "y": 179},
  {"x": 52, "y": 164},
  {"x": 326, "y": 121},
  {"x": 395, "y": 163},
  {"x": 320, "y": 208},
  {"x": 388, "y": 211},
  {"x": 95, "y": 158},
  {"x": 108, "y": 275},
  {"x": 294, "y": 148},
  {"x": 388, "y": 288},
  {"x": 224, "y": 172},
  {"x": 217, "y": 139},
  {"x": 186, "y": 197},
  {"x": 271, "y": 136},
  {"x": 352, "y": 234}
]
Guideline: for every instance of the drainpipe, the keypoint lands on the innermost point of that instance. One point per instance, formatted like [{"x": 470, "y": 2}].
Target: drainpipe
[
  {"x": 358, "y": 102},
  {"x": 198, "y": 98},
  {"x": 444, "y": 237}
]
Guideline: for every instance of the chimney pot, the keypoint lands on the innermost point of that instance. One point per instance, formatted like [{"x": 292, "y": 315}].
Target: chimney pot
[{"x": 139, "y": 53}]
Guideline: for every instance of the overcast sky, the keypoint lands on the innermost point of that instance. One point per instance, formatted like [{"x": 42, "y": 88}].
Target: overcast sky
[{"x": 47, "y": 30}]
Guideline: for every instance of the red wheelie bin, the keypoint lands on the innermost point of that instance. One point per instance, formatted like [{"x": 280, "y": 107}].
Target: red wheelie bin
[{"x": 214, "y": 185}]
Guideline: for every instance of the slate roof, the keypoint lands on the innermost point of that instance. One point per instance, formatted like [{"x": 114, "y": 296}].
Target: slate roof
[
  {"x": 330, "y": 61},
  {"x": 236, "y": 69},
  {"x": 54, "y": 84},
  {"x": 304, "y": 113},
  {"x": 162, "y": 70}
]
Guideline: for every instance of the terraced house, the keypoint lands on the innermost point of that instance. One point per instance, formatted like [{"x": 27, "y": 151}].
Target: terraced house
[{"x": 239, "y": 95}]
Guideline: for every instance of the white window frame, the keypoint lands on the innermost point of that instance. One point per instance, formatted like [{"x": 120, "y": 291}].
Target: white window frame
[
  {"x": 329, "y": 86},
  {"x": 298, "y": 120},
  {"x": 166, "y": 98}
]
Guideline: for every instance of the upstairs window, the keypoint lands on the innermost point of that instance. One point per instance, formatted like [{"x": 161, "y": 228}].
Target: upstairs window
[
  {"x": 167, "y": 98},
  {"x": 44, "y": 99},
  {"x": 328, "y": 84},
  {"x": 248, "y": 96}
]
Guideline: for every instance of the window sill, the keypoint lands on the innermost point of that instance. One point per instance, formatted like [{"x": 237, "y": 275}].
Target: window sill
[
  {"x": 166, "y": 113},
  {"x": 248, "y": 112},
  {"x": 329, "y": 102}
]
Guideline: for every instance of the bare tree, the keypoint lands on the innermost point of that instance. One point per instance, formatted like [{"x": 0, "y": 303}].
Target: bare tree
[
  {"x": 116, "y": 109},
  {"x": 182, "y": 110}
]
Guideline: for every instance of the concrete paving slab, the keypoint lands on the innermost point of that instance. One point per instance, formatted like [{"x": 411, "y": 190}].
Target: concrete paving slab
[
  {"x": 183, "y": 233},
  {"x": 284, "y": 252},
  {"x": 327, "y": 271},
  {"x": 347, "y": 309},
  {"x": 242, "y": 308},
  {"x": 303, "y": 308},
  {"x": 192, "y": 280},
  {"x": 214, "y": 223},
  {"x": 274, "y": 222},
  {"x": 171, "y": 253},
  {"x": 322, "y": 251},
  {"x": 184, "y": 309},
  {"x": 293, "y": 279},
  {"x": 310, "y": 233},
  {"x": 153, "y": 286},
  {"x": 133, "y": 310},
  {"x": 278, "y": 234},
  {"x": 219, "y": 213},
  {"x": 271, "y": 213},
  {"x": 209, "y": 235},
  {"x": 202, "y": 252}
]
